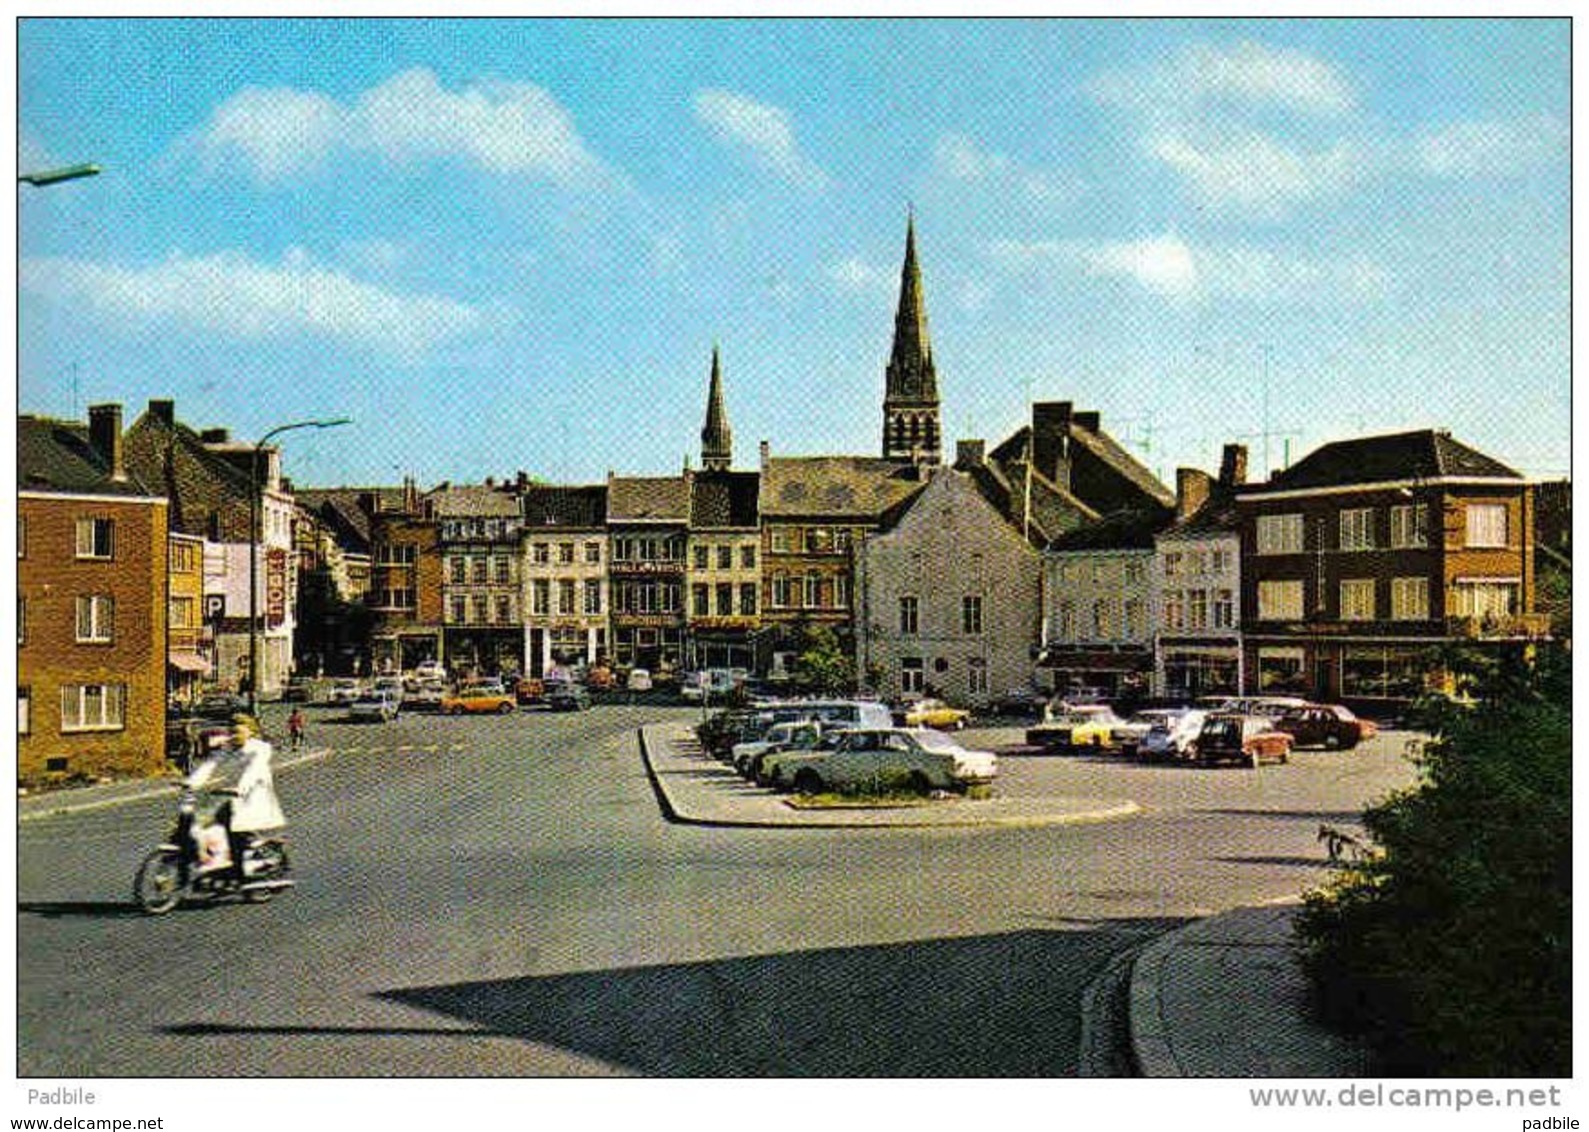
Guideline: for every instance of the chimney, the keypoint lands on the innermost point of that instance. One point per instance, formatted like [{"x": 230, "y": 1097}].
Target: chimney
[
  {"x": 970, "y": 453},
  {"x": 1089, "y": 421},
  {"x": 104, "y": 433},
  {"x": 215, "y": 436},
  {"x": 1233, "y": 467},
  {"x": 1192, "y": 486},
  {"x": 164, "y": 411},
  {"x": 1051, "y": 421},
  {"x": 522, "y": 484},
  {"x": 766, "y": 455}
]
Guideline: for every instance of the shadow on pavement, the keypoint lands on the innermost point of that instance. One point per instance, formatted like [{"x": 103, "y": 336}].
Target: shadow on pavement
[{"x": 100, "y": 909}]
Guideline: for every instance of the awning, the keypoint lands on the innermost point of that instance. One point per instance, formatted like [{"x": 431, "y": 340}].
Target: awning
[{"x": 187, "y": 662}]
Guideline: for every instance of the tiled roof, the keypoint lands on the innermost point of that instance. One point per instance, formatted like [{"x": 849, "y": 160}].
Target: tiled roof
[
  {"x": 1217, "y": 515},
  {"x": 725, "y": 499},
  {"x": 472, "y": 501},
  {"x": 1108, "y": 449},
  {"x": 1425, "y": 454},
  {"x": 55, "y": 455},
  {"x": 583, "y": 508},
  {"x": 858, "y": 487},
  {"x": 1122, "y": 530},
  {"x": 648, "y": 499}
]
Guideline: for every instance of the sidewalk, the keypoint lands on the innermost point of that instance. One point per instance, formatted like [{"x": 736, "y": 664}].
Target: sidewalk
[
  {"x": 695, "y": 788},
  {"x": 48, "y": 803},
  {"x": 1226, "y": 997}
]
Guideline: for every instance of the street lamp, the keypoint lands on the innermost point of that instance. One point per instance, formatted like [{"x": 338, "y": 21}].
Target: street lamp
[
  {"x": 254, "y": 539},
  {"x": 53, "y": 176}
]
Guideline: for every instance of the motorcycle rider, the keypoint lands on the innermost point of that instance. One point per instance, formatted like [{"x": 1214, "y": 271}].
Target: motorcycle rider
[{"x": 239, "y": 778}]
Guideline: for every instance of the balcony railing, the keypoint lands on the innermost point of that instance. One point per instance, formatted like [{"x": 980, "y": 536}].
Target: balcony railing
[{"x": 1499, "y": 627}]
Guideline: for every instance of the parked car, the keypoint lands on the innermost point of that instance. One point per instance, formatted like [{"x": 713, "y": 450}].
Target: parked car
[
  {"x": 1330, "y": 726},
  {"x": 1022, "y": 702},
  {"x": 298, "y": 690},
  {"x": 566, "y": 695},
  {"x": 924, "y": 758},
  {"x": 430, "y": 670},
  {"x": 711, "y": 684},
  {"x": 1273, "y": 707},
  {"x": 376, "y": 706},
  {"x": 1128, "y": 736},
  {"x": 1175, "y": 737},
  {"x": 935, "y": 713},
  {"x": 219, "y": 705},
  {"x": 1083, "y": 725},
  {"x": 639, "y": 680},
  {"x": 775, "y": 767},
  {"x": 425, "y": 695},
  {"x": 529, "y": 690},
  {"x": 343, "y": 690},
  {"x": 477, "y": 699},
  {"x": 801, "y": 733},
  {"x": 1250, "y": 739},
  {"x": 599, "y": 678}
]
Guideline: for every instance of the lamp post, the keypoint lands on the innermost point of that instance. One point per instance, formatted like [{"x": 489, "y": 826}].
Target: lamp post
[
  {"x": 53, "y": 176},
  {"x": 254, "y": 539}
]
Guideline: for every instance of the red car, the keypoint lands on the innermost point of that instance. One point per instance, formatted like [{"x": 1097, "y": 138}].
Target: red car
[
  {"x": 1330, "y": 726},
  {"x": 1250, "y": 739}
]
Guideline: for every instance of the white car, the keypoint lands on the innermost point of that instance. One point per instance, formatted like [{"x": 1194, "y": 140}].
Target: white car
[
  {"x": 795, "y": 733},
  {"x": 639, "y": 680},
  {"x": 376, "y": 706},
  {"x": 430, "y": 670},
  {"x": 921, "y": 757},
  {"x": 1174, "y": 738}
]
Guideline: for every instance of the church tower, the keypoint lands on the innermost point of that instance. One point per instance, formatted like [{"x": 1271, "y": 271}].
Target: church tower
[
  {"x": 717, "y": 439},
  {"x": 910, "y": 398}
]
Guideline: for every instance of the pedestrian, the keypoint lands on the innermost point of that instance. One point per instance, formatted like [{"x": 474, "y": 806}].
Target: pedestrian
[{"x": 295, "y": 729}]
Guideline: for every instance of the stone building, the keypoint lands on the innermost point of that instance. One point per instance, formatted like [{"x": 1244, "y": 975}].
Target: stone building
[
  {"x": 479, "y": 529},
  {"x": 406, "y": 596},
  {"x": 648, "y": 519},
  {"x": 564, "y": 566}
]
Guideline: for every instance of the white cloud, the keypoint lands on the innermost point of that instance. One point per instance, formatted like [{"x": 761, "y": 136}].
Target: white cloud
[
  {"x": 1255, "y": 172},
  {"x": 234, "y": 296},
  {"x": 509, "y": 128},
  {"x": 1493, "y": 148},
  {"x": 1248, "y": 74},
  {"x": 959, "y": 158},
  {"x": 1170, "y": 267},
  {"x": 857, "y": 276},
  {"x": 764, "y": 131}
]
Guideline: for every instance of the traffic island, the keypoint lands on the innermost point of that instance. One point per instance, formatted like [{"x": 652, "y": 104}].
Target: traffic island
[{"x": 694, "y": 788}]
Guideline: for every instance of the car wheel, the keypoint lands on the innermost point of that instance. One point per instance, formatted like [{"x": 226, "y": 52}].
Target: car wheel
[
  {"x": 504, "y": 709},
  {"x": 1332, "y": 742},
  {"x": 920, "y": 783},
  {"x": 808, "y": 781}
]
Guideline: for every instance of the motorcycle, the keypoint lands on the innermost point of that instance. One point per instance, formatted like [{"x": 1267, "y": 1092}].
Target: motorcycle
[{"x": 175, "y": 870}]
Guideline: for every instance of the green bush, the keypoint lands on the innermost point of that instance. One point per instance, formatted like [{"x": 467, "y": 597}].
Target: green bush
[{"x": 1446, "y": 942}]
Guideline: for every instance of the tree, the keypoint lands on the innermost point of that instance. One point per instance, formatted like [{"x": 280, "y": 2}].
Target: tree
[
  {"x": 1446, "y": 940},
  {"x": 823, "y": 668}
]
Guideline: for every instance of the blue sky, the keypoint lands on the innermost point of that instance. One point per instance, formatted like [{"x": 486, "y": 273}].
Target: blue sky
[{"x": 513, "y": 245}]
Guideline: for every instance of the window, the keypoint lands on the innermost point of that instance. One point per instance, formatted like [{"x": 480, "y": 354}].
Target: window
[
  {"x": 460, "y": 611},
  {"x": 541, "y": 597},
  {"x": 841, "y": 591},
  {"x": 1172, "y": 564},
  {"x": 565, "y": 553},
  {"x": 1487, "y": 524},
  {"x": 971, "y": 613},
  {"x": 780, "y": 540},
  {"x": 504, "y": 610},
  {"x": 93, "y": 707},
  {"x": 747, "y": 557},
  {"x": 1194, "y": 562},
  {"x": 1280, "y": 670},
  {"x": 1357, "y": 599},
  {"x": 977, "y": 676},
  {"x": 1224, "y": 609},
  {"x": 593, "y": 552},
  {"x": 1066, "y": 629},
  {"x": 22, "y": 620},
  {"x": 813, "y": 590},
  {"x": 183, "y": 613},
  {"x": 912, "y": 675},
  {"x": 482, "y": 610},
  {"x": 1482, "y": 598},
  {"x": 1218, "y": 561},
  {"x": 1131, "y": 625},
  {"x": 747, "y": 599},
  {"x": 1409, "y": 526},
  {"x": 701, "y": 557},
  {"x": 725, "y": 558},
  {"x": 565, "y": 596},
  {"x": 592, "y": 595},
  {"x": 1133, "y": 571},
  {"x": 22, "y": 537},
  {"x": 96, "y": 615},
  {"x": 818, "y": 540},
  {"x": 458, "y": 568},
  {"x": 780, "y": 591},
  {"x": 96, "y": 538},
  {"x": 1357, "y": 528},
  {"x": 1197, "y": 609},
  {"x": 725, "y": 599},
  {"x": 1175, "y": 609},
  {"x": 1409, "y": 599},
  {"x": 482, "y": 567},
  {"x": 181, "y": 558},
  {"x": 24, "y": 710},
  {"x": 541, "y": 552},
  {"x": 700, "y": 599},
  {"x": 1102, "y": 620},
  {"x": 503, "y": 568},
  {"x": 1279, "y": 534},
  {"x": 909, "y": 617},
  {"x": 1279, "y": 601}
]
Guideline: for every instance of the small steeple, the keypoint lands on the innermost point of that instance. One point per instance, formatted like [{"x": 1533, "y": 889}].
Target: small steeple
[
  {"x": 717, "y": 439},
  {"x": 910, "y": 399}
]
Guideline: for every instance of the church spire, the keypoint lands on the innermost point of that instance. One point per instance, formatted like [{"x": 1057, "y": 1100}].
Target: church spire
[
  {"x": 910, "y": 398},
  {"x": 717, "y": 439}
]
